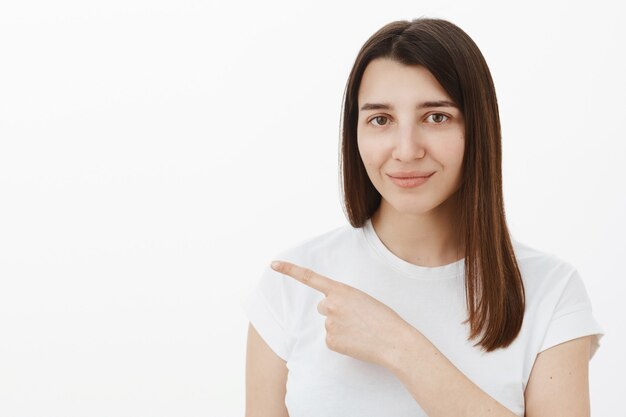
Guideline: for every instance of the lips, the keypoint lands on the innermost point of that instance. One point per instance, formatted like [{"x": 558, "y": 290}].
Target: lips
[{"x": 410, "y": 174}]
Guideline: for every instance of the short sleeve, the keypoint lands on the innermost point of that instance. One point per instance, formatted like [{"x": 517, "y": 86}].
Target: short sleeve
[
  {"x": 265, "y": 308},
  {"x": 572, "y": 317}
]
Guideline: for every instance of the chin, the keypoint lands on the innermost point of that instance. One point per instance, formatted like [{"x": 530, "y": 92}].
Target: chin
[{"x": 408, "y": 207}]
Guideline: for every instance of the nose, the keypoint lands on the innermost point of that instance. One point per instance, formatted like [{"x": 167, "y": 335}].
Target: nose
[{"x": 408, "y": 144}]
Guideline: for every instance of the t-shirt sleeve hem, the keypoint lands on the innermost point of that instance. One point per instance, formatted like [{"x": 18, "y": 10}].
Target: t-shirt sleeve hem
[
  {"x": 571, "y": 326},
  {"x": 266, "y": 324}
]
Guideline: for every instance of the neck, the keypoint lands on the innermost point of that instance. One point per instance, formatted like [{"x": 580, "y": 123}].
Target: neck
[{"x": 426, "y": 239}]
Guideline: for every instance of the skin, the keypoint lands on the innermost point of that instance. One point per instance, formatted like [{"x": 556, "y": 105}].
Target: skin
[
  {"x": 362, "y": 327},
  {"x": 417, "y": 225},
  {"x": 414, "y": 223}
]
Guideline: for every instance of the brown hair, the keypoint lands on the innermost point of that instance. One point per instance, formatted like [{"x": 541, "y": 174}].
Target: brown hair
[{"x": 494, "y": 288}]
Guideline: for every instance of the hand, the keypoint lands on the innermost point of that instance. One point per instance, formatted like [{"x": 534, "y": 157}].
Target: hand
[{"x": 357, "y": 324}]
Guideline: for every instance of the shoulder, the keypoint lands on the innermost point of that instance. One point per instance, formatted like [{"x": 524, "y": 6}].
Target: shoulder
[
  {"x": 541, "y": 270},
  {"x": 332, "y": 253},
  {"x": 323, "y": 247},
  {"x": 558, "y": 308},
  {"x": 554, "y": 289},
  {"x": 533, "y": 257},
  {"x": 553, "y": 286}
]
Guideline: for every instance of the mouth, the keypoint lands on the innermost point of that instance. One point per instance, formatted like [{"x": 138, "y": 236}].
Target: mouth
[
  {"x": 410, "y": 181},
  {"x": 410, "y": 175}
]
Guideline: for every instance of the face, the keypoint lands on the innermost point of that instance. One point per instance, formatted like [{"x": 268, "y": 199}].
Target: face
[{"x": 408, "y": 126}]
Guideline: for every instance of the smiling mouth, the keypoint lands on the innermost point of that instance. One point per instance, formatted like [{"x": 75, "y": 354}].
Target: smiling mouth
[
  {"x": 410, "y": 182},
  {"x": 405, "y": 177}
]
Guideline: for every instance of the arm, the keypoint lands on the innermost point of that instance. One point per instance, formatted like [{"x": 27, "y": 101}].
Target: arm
[
  {"x": 442, "y": 390},
  {"x": 439, "y": 387},
  {"x": 559, "y": 381},
  {"x": 362, "y": 327},
  {"x": 266, "y": 379}
]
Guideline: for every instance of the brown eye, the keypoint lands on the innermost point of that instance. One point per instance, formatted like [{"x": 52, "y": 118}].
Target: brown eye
[
  {"x": 379, "y": 119},
  {"x": 438, "y": 118}
]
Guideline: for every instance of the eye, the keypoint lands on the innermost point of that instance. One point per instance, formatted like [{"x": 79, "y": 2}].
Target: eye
[
  {"x": 438, "y": 118},
  {"x": 385, "y": 119}
]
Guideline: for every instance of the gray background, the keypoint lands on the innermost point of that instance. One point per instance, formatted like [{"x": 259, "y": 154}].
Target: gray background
[{"x": 155, "y": 155}]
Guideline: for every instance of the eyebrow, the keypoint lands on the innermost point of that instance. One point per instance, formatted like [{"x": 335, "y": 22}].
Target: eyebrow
[{"x": 426, "y": 104}]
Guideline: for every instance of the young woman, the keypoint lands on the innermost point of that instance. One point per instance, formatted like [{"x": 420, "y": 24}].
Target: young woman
[{"x": 423, "y": 304}]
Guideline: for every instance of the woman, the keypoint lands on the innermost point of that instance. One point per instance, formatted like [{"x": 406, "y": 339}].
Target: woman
[{"x": 424, "y": 304}]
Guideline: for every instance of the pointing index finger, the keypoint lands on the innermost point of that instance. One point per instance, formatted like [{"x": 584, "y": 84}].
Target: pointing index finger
[{"x": 304, "y": 275}]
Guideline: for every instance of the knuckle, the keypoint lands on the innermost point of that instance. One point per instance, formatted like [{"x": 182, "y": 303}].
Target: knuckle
[
  {"x": 332, "y": 301},
  {"x": 320, "y": 307}
]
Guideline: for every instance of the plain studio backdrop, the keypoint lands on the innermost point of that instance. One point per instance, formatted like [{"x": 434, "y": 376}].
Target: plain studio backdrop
[{"x": 155, "y": 155}]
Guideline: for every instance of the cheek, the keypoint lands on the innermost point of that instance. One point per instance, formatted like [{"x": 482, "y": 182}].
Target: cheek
[
  {"x": 368, "y": 153},
  {"x": 373, "y": 159},
  {"x": 458, "y": 150},
  {"x": 452, "y": 153}
]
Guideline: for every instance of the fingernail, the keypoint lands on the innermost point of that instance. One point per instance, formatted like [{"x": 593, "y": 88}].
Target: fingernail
[{"x": 275, "y": 265}]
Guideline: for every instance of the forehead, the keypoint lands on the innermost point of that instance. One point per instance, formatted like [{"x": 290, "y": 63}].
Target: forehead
[{"x": 388, "y": 80}]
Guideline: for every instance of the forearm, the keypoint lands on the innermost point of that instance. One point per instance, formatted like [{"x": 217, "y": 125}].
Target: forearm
[{"x": 438, "y": 386}]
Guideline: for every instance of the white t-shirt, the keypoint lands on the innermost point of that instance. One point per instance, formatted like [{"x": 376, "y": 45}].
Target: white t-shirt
[{"x": 322, "y": 382}]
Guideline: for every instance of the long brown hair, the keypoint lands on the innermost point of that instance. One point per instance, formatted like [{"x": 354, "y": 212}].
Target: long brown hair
[{"x": 494, "y": 288}]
